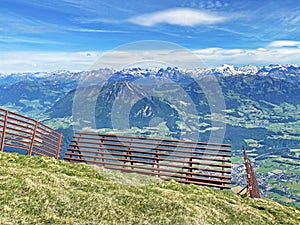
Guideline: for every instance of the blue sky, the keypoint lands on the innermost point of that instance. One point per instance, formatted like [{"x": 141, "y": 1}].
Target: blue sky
[{"x": 72, "y": 34}]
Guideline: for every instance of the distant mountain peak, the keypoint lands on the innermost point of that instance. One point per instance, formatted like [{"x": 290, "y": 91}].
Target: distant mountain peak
[{"x": 289, "y": 72}]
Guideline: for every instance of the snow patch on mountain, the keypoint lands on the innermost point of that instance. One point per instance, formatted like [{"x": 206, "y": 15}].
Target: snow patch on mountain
[{"x": 289, "y": 72}]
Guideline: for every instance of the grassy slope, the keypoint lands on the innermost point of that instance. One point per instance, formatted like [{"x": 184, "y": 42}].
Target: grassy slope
[{"x": 38, "y": 190}]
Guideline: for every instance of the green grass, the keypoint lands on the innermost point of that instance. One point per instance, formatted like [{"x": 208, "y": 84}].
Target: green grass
[
  {"x": 277, "y": 164},
  {"x": 294, "y": 187},
  {"x": 38, "y": 190},
  {"x": 235, "y": 159},
  {"x": 266, "y": 168},
  {"x": 277, "y": 171}
]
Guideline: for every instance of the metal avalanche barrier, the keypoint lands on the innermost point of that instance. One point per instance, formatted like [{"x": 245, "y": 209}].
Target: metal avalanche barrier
[
  {"x": 25, "y": 135},
  {"x": 189, "y": 162},
  {"x": 199, "y": 163}
]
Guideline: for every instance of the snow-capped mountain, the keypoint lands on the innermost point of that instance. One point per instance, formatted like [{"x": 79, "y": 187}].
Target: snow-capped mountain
[
  {"x": 289, "y": 72},
  {"x": 229, "y": 70}
]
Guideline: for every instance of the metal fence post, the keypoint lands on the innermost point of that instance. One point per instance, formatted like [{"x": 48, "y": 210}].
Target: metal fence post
[
  {"x": 223, "y": 163},
  {"x": 252, "y": 182},
  {"x": 61, "y": 136},
  {"x": 190, "y": 168},
  {"x": 3, "y": 130},
  {"x": 32, "y": 139},
  {"x": 102, "y": 150},
  {"x": 157, "y": 161}
]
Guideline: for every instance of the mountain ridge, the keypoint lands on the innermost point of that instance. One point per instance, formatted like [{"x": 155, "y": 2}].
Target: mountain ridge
[{"x": 290, "y": 72}]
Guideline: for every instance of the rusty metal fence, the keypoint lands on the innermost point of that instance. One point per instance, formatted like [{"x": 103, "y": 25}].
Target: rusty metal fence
[
  {"x": 189, "y": 162},
  {"x": 23, "y": 133},
  {"x": 252, "y": 186}
]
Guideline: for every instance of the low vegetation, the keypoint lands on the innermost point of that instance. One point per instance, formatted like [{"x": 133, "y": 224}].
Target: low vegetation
[{"x": 39, "y": 190}]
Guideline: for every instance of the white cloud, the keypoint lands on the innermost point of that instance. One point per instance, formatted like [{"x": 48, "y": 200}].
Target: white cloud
[
  {"x": 211, "y": 57},
  {"x": 284, "y": 43},
  {"x": 178, "y": 16},
  {"x": 91, "y": 20},
  {"x": 17, "y": 23},
  {"x": 239, "y": 57},
  {"x": 162, "y": 58},
  {"x": 10, "y": 39},
  {"x": 46, "y": 61},
  {"x": 96, "y": 30}
]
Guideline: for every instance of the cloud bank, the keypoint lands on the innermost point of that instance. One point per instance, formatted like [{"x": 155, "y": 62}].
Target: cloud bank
[
  {"x": 178, "y": 16},
  {"x": 276, "y": 52},
  {"x": 284, "y": 43}
]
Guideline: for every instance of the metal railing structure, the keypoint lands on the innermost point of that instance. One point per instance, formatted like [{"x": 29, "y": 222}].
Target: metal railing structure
[
  {"x": 189, "y": 162},
  {"x": 252, "y": 186},
  {"x": 20, "y": 133}
]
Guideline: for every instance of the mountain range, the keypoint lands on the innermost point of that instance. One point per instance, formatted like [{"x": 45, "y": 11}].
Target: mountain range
[
  {"x": 288, "y": 72},
  {"x": 261, "y": 103},
  {"x": 257, "y": 107}
]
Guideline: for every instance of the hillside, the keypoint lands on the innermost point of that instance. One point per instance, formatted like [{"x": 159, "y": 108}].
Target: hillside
[{"x": 38, "y": 190}]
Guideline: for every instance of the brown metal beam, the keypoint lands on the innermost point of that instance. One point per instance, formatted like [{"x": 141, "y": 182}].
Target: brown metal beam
[{"x": 251, "y": 179}]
